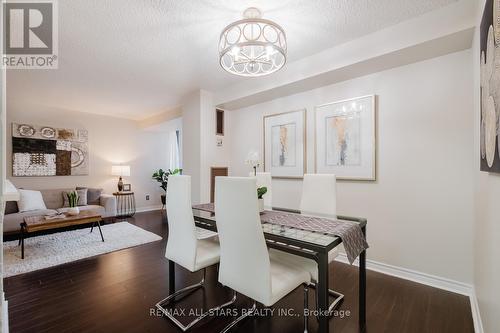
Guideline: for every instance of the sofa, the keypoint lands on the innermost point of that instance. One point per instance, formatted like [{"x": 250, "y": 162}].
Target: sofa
[{"x": 105, "y": 204}]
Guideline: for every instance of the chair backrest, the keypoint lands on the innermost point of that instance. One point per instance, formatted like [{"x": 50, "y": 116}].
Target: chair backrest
[
  {"x": 264, "y": 179},
  {"x": 181, "y": 243},
  {"x": 319, "y": 195},
  {"x": 244, "y": 258}
]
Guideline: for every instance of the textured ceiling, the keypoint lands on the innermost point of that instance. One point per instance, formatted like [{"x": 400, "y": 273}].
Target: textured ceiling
[{"x": 134, "y": 58}]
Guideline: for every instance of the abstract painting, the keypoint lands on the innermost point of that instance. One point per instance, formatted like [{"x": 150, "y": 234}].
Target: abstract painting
[
  {"x": 345, "y": 138},
  {"x": 284, "y": 144},
  {"x": 49, "y": 151},
  {"x": 490, "y": 87}
]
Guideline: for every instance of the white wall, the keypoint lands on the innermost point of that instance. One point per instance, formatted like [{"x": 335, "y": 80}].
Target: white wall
[
  {"x": 111, "y": 141},
  {"x": 200, "y": 151},
  {"x": 212, "y": 155},
  {"x": 420, "y": 208},
  {"x": 487, "y": 220},
  {"x": 191, "y": 139}
]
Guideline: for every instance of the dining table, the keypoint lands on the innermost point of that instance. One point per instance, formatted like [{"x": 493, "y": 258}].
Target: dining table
[{"x": 305, "y": 243}]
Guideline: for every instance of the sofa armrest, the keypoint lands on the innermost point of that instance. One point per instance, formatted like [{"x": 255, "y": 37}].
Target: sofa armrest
[{"x": 108, "y": 201}]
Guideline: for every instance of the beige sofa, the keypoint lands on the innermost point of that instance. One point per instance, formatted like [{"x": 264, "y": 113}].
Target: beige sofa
[{"x": 105, "y": 204}]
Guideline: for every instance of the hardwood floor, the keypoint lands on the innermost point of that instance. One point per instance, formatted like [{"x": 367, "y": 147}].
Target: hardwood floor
[{"x": 115, "y": 292}]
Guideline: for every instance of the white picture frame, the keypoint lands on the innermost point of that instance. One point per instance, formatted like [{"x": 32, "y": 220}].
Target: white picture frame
[
  {"x": 345, "y": 138},
  {"x": 285, "y": 144}
]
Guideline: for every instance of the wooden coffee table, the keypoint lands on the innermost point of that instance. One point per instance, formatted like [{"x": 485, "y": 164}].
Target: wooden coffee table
[{"x": 38, "y": 223}]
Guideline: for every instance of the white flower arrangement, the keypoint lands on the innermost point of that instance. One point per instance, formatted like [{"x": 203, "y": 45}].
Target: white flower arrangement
[{"x": 253, "y": 159}]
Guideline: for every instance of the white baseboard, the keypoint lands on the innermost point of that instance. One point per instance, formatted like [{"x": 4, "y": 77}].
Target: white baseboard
[
  {"x": 415, "y": 276},
  {"x": 476, "y": 315},
  {"x": 148, "y": 208},
  {"x": 427, "y": 279},
  {"x": 145, "y": 209}
]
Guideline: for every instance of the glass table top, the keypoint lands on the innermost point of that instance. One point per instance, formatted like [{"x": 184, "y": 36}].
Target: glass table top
[{"x": 317, "y": 238}]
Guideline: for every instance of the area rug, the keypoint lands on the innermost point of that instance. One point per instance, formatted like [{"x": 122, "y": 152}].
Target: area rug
[{"x": 63, "y": 247}]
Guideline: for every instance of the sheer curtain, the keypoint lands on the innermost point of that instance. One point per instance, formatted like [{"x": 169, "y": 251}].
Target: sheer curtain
[{"x": 175, "y": 150}]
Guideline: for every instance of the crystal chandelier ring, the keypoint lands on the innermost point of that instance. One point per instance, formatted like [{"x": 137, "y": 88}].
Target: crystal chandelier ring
[{"x": 252, "y": 46}]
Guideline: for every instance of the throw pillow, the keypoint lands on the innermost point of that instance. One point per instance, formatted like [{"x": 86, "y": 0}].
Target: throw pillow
[
  {"x": 93, "y": 195},
  {"x": 30, "y": 200},
  {"x": 82, "y": 197}
]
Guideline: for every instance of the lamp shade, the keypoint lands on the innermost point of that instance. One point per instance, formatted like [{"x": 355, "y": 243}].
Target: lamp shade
[{"x": 120, "y": 170}]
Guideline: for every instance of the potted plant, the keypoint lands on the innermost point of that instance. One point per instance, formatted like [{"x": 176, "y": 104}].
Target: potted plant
[
  {"x": 161, "y": 177},
  {"x": 73, "y": 202},
  {"x": 260, "y": 193}
]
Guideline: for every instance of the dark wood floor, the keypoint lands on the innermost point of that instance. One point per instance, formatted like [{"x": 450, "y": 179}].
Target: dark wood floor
[{"x": 115, "y": 292}]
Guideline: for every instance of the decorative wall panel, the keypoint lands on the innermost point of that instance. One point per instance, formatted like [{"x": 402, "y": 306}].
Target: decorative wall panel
[
  {"x": 49, "y": 151},
  {"x": 490, "y": 87}
]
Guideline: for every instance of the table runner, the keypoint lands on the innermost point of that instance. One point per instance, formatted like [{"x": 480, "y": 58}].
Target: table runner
[{"x": 350, "y": 232}]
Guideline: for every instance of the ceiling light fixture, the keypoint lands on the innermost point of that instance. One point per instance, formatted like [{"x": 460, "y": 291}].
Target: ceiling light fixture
[{"x": 252, "y": 46}]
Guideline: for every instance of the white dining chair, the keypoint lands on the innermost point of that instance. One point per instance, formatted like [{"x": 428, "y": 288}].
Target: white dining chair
[
  {"x": 319, "y": 195},
  {"x": 319, "y": 198},
  {"x": 265, "y": 179},
  {"x": 245, "y": 265},
  {"x": 184, "y": 246}
]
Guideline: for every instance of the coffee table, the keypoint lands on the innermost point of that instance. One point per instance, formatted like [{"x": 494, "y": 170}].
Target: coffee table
[{"x": 38, "y": 223}]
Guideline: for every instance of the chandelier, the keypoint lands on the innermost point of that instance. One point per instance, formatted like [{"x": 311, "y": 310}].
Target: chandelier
[{"x": 252, "y": 46}]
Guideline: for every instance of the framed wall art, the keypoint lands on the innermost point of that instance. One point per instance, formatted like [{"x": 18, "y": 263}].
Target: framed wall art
[
  {"x": 490, "y": 83},
  {"x": 346, "y": 138},
  {"x": 49, "y": 151},
  {"x": 285, "y": 144}
]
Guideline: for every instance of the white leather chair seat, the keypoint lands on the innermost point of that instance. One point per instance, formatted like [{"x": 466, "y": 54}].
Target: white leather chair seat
[
  {"x": 207, "y": 253},
  {"x": 204, "y": 233},
  {"x": 285, "y": 277},
  {"x": 303, "y": 263},
  {"x": 308, "y": 265}
]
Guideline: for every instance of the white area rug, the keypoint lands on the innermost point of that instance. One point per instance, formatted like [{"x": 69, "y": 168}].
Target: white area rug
[{"x": 59, "y": 248}]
